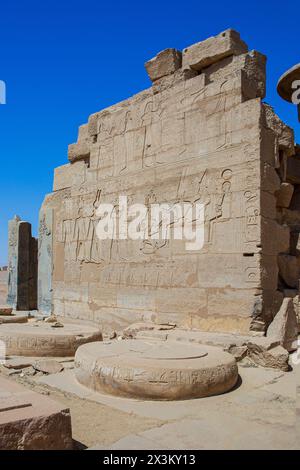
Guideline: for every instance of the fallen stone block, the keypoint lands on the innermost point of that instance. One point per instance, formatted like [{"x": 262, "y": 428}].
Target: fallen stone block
[
  {"x": 205, "y": 53},
  {"x": 275, "y": 358},
  {"x": 51, "y": 319},
  {"x": 164, "y": 63},
  {"x": 259, "y": 349},
  {"x": 18, "y": 363},
  {"x": 29, "y": 421},
  {"x": 284, "y": 327},
  {"x": 132, "y": 330},
  {"x": 239, "y": 352},
  {"x": 48, "y": 366}
]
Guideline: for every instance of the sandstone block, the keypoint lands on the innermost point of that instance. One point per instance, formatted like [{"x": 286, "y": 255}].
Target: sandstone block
[
  {"x": 164, "y": 63},
  {"x": 252, "y": 65},
  {"x": 78, "y": 151},
  {"x": 205, "y": 53},
  {"x": 30, "y": 421},
  {"x": 284, "y": 195},
  {"x": 48, "y": 366},
  {"x": 284, "y": 327},
  {"x": 66, "y": 176},
  {"x": 17, "y": 363}
]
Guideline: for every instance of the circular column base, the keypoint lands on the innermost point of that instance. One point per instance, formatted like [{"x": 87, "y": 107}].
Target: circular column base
[
  {"x": 155, "y": 370},
  {"x": 41, "y": 339}
]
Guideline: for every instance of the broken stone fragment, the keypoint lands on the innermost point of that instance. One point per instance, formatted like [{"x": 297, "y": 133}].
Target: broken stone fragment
[
  {"x": 205, "y": 53},
  {"x": 275, "y": 358},
  {"x": 284, "y": 195},
  {"x": 57, "y": 325},
  {"x": 51, "y": 319},
  {"x": 239, "y": 352},
  {"x": 284, "y": 327},
  {"x": 289, "y": 269},
  {"x": 17, "y": 363},
  {"x": 28, "y": 371},
  {"x": 132, "y": 330},
  {"x": 48, "y": 366},
  {"x": 164, "y": 63}
]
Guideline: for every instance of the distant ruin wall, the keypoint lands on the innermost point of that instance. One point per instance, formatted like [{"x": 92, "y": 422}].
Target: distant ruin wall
[{"x": 200, "y": 133}]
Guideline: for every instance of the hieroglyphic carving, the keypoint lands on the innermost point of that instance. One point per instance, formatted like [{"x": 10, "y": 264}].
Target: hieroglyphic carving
[{"x": 45, "y": 265}]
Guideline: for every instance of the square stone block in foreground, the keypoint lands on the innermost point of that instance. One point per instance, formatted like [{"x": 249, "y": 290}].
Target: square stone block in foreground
[{"x": 29, "y": 421}]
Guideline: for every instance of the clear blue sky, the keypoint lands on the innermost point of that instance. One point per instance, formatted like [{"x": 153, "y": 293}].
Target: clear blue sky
[{"x": 64, "y": 60}]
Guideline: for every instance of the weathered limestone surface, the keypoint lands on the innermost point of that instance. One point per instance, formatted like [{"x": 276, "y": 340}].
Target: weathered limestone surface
[
  {"x": 200, "y": 133},
  {"x": 22, "y": 267},
  {"x": 152, "y": 370},
  {"x": 30, "y": 421}
]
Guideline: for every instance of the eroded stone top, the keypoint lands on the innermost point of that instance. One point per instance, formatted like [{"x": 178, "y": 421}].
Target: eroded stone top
[{"x": 148, "y": 350}]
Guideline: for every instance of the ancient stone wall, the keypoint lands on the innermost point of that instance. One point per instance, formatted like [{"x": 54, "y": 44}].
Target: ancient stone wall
[{"x": 199, "y": 133}]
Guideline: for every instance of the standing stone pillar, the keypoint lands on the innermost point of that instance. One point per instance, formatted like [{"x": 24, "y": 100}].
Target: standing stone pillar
[
  {"x": 22, "y": 266},
  {"x": 45, "y": 264}
]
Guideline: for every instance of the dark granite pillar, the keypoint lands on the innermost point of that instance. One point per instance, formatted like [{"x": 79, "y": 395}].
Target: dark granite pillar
[{"x": 22, "y": 266}]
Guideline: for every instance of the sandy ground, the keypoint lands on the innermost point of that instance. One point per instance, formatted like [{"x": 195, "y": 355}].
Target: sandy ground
[
  {"x": 259, "y": 413},
  {"x": 92, "y": 423}
]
